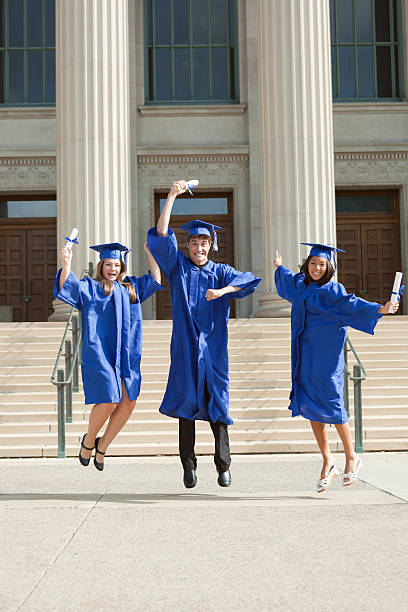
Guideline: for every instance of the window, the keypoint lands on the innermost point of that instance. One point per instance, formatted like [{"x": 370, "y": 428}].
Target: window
[
  {"x": 191, "y": 51},
  {"x": 27, "y": 52},
  {"x": 363, "y": 203},
  {"x": 365, "y": 37},
  {"x": 198, "y": 206},
  {"x": 16, "y": 207}
]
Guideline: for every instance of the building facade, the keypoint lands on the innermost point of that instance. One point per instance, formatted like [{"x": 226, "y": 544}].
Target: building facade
[{"x": 293, "y": 116}]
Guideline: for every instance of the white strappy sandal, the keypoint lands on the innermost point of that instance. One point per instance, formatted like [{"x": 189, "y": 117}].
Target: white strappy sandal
[
  {"x": 352, "y": 476},
  {"x": 324, "y": 483}
]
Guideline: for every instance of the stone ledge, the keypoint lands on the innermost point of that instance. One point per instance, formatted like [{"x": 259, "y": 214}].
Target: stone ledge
[
  {"x": 28, "y": 112},
  {"x": 371, "y": 108},
  {"x": 208, "y": 110}
]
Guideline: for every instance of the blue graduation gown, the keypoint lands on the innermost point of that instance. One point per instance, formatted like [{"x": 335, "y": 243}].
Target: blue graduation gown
[
  {"x": 319, "y": 320},
  {"x": 111, "y": 334},
  {"x": 198, "y": 383}
]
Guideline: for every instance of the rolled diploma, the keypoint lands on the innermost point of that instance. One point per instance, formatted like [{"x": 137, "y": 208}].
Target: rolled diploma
[
  {"x": 395, "y": 291},
  {"x": 73, "y": 234},
  {"x": 192, "y": 183}
]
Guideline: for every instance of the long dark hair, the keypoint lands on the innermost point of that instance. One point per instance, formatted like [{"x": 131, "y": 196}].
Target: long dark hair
[
  {"x": 108, "y": 285},
  {"x": 325, "y": 278}
]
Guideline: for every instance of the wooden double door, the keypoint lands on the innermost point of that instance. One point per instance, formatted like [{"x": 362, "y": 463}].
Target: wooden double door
[
  {"x": 373, "y": 252},
  {"x": 225, "y": 239},
  {"x": 28, "y": 261}
]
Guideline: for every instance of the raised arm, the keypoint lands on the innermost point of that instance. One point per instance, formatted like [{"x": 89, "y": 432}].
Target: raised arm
[
  {"x": 66, "y": 258},
  {"x": 278, "y": 260},
  {"x": 214, "y": 294},
  {"x": 153, "y": 265},
  {"x": 177, "y": 188}
]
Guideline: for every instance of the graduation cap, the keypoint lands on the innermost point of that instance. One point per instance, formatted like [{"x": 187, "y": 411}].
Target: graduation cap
[
  {"x": 111, "y": 250},
  {"x": 323, "y": 250},
  {"x": 201, "y": 228}
]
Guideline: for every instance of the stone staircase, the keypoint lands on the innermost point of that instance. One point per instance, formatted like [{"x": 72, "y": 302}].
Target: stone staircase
[{"x": 259, "y": 351}]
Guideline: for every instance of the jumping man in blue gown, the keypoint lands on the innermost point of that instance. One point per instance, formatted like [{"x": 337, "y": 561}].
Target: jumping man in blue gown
[
  {"x": 198, "y": 383},
  {"x": 111, "y": 319},
  {"x": 321, "y": 312}
]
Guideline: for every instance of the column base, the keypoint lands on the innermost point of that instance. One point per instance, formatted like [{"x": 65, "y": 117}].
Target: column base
[
  {"x": 273, "y": 306},
  {"x": 61, "y": 311}
]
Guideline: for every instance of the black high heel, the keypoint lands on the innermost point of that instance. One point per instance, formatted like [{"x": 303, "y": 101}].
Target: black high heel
[
  {"x": 99, "y": 466},
  {"x": 82, "y": 459}
]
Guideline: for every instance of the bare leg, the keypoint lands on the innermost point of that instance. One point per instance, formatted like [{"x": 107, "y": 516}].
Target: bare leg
[
  {"x": 100, "y": 413},
  {"x": 320, "y": 433},
  {"x": 118, "y": 419},
  {"x": 345, "y": 436}
]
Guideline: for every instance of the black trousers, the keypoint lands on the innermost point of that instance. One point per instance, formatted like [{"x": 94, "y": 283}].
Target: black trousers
[{"x": 222, "y": 457}]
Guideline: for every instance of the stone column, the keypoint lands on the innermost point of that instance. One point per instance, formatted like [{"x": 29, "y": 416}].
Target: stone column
[
  {"x": 92, "y": 76},
  {"x": 296, "y": 137}
]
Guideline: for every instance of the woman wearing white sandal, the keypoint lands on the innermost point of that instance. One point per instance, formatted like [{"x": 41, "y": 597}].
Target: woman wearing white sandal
[{"x": 321, "y": 312}]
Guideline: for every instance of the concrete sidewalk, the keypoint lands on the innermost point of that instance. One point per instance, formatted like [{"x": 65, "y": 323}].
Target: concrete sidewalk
[{"x": 133, "y": 538}]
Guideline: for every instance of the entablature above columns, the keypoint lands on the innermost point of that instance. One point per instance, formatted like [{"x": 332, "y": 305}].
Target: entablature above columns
[{"x": 28, "y": 174}]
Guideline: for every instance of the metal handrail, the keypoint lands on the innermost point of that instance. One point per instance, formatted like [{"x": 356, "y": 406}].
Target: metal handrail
[
  {"x": 359, "y": 374},
  {"x": 68, "y": 381},
  {"x": 61, "y": 348},
  {"x": 357, "y": 358}
]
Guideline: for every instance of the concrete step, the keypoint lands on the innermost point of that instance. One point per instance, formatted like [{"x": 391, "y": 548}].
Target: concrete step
[
  {"x": 259, "y": 356},
  {"x": 40, "y": 434},
  {"x": 20, "y": 401},
  {"x": 21, "y": 422},
  {"x": 238, "y": 378}
]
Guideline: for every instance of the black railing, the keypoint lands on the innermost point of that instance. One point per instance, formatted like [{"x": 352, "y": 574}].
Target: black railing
[
  {"x": 67, "y": 379},
  {"x": 359, "y": 374}
]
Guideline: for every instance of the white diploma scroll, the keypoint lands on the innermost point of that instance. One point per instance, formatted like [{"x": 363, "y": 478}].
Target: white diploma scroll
[
  {"x": 191, "y": 183},
  {"x": 395, "y": 291},
  {"x": 73, "y": 234}
]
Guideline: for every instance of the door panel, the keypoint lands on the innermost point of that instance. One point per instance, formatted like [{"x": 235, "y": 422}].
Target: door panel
[
  {"x": 13, "y": 259},
  {"x": 28, "y": 257},
  {"x": 41, "y": 244},
  {"x": 381, "y": 257},
  {"x": 373, "y": 255},
  {"x": 349, "y": 264}
]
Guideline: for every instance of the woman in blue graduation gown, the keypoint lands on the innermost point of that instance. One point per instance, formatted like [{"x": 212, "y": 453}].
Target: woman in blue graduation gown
[
  {"x": 111, "y": 319},
  {"x": 198, "y": 382},
  {"x": 321, "y": 312}
]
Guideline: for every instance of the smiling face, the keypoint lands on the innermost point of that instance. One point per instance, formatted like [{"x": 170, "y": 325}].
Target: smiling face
[
  {"x": 317, "y": 268},
  {"x": 198, "y": 249},
  {"x": 111, "y": 269}
]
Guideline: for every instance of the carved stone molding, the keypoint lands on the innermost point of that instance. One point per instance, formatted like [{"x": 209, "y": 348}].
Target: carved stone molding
[
  {"x": 219, "y": 170},
  {"x": 371, "y": 156},
  {"x": 371, "y": 167},
  {"x": 187, "y": 159},
  {"x": 28, "y": 174}
]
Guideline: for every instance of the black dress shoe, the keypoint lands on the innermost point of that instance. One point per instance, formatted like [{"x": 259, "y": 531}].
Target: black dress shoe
[
  {"x": 224, "y": 478},
  {"x": 98, "y": 464},
  {"x": 82, "y": 459},
  {"x": 189, "y": 479}
]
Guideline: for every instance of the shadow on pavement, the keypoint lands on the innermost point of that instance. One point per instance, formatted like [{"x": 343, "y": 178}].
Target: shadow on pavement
[{"x": 148, "y": 498}]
